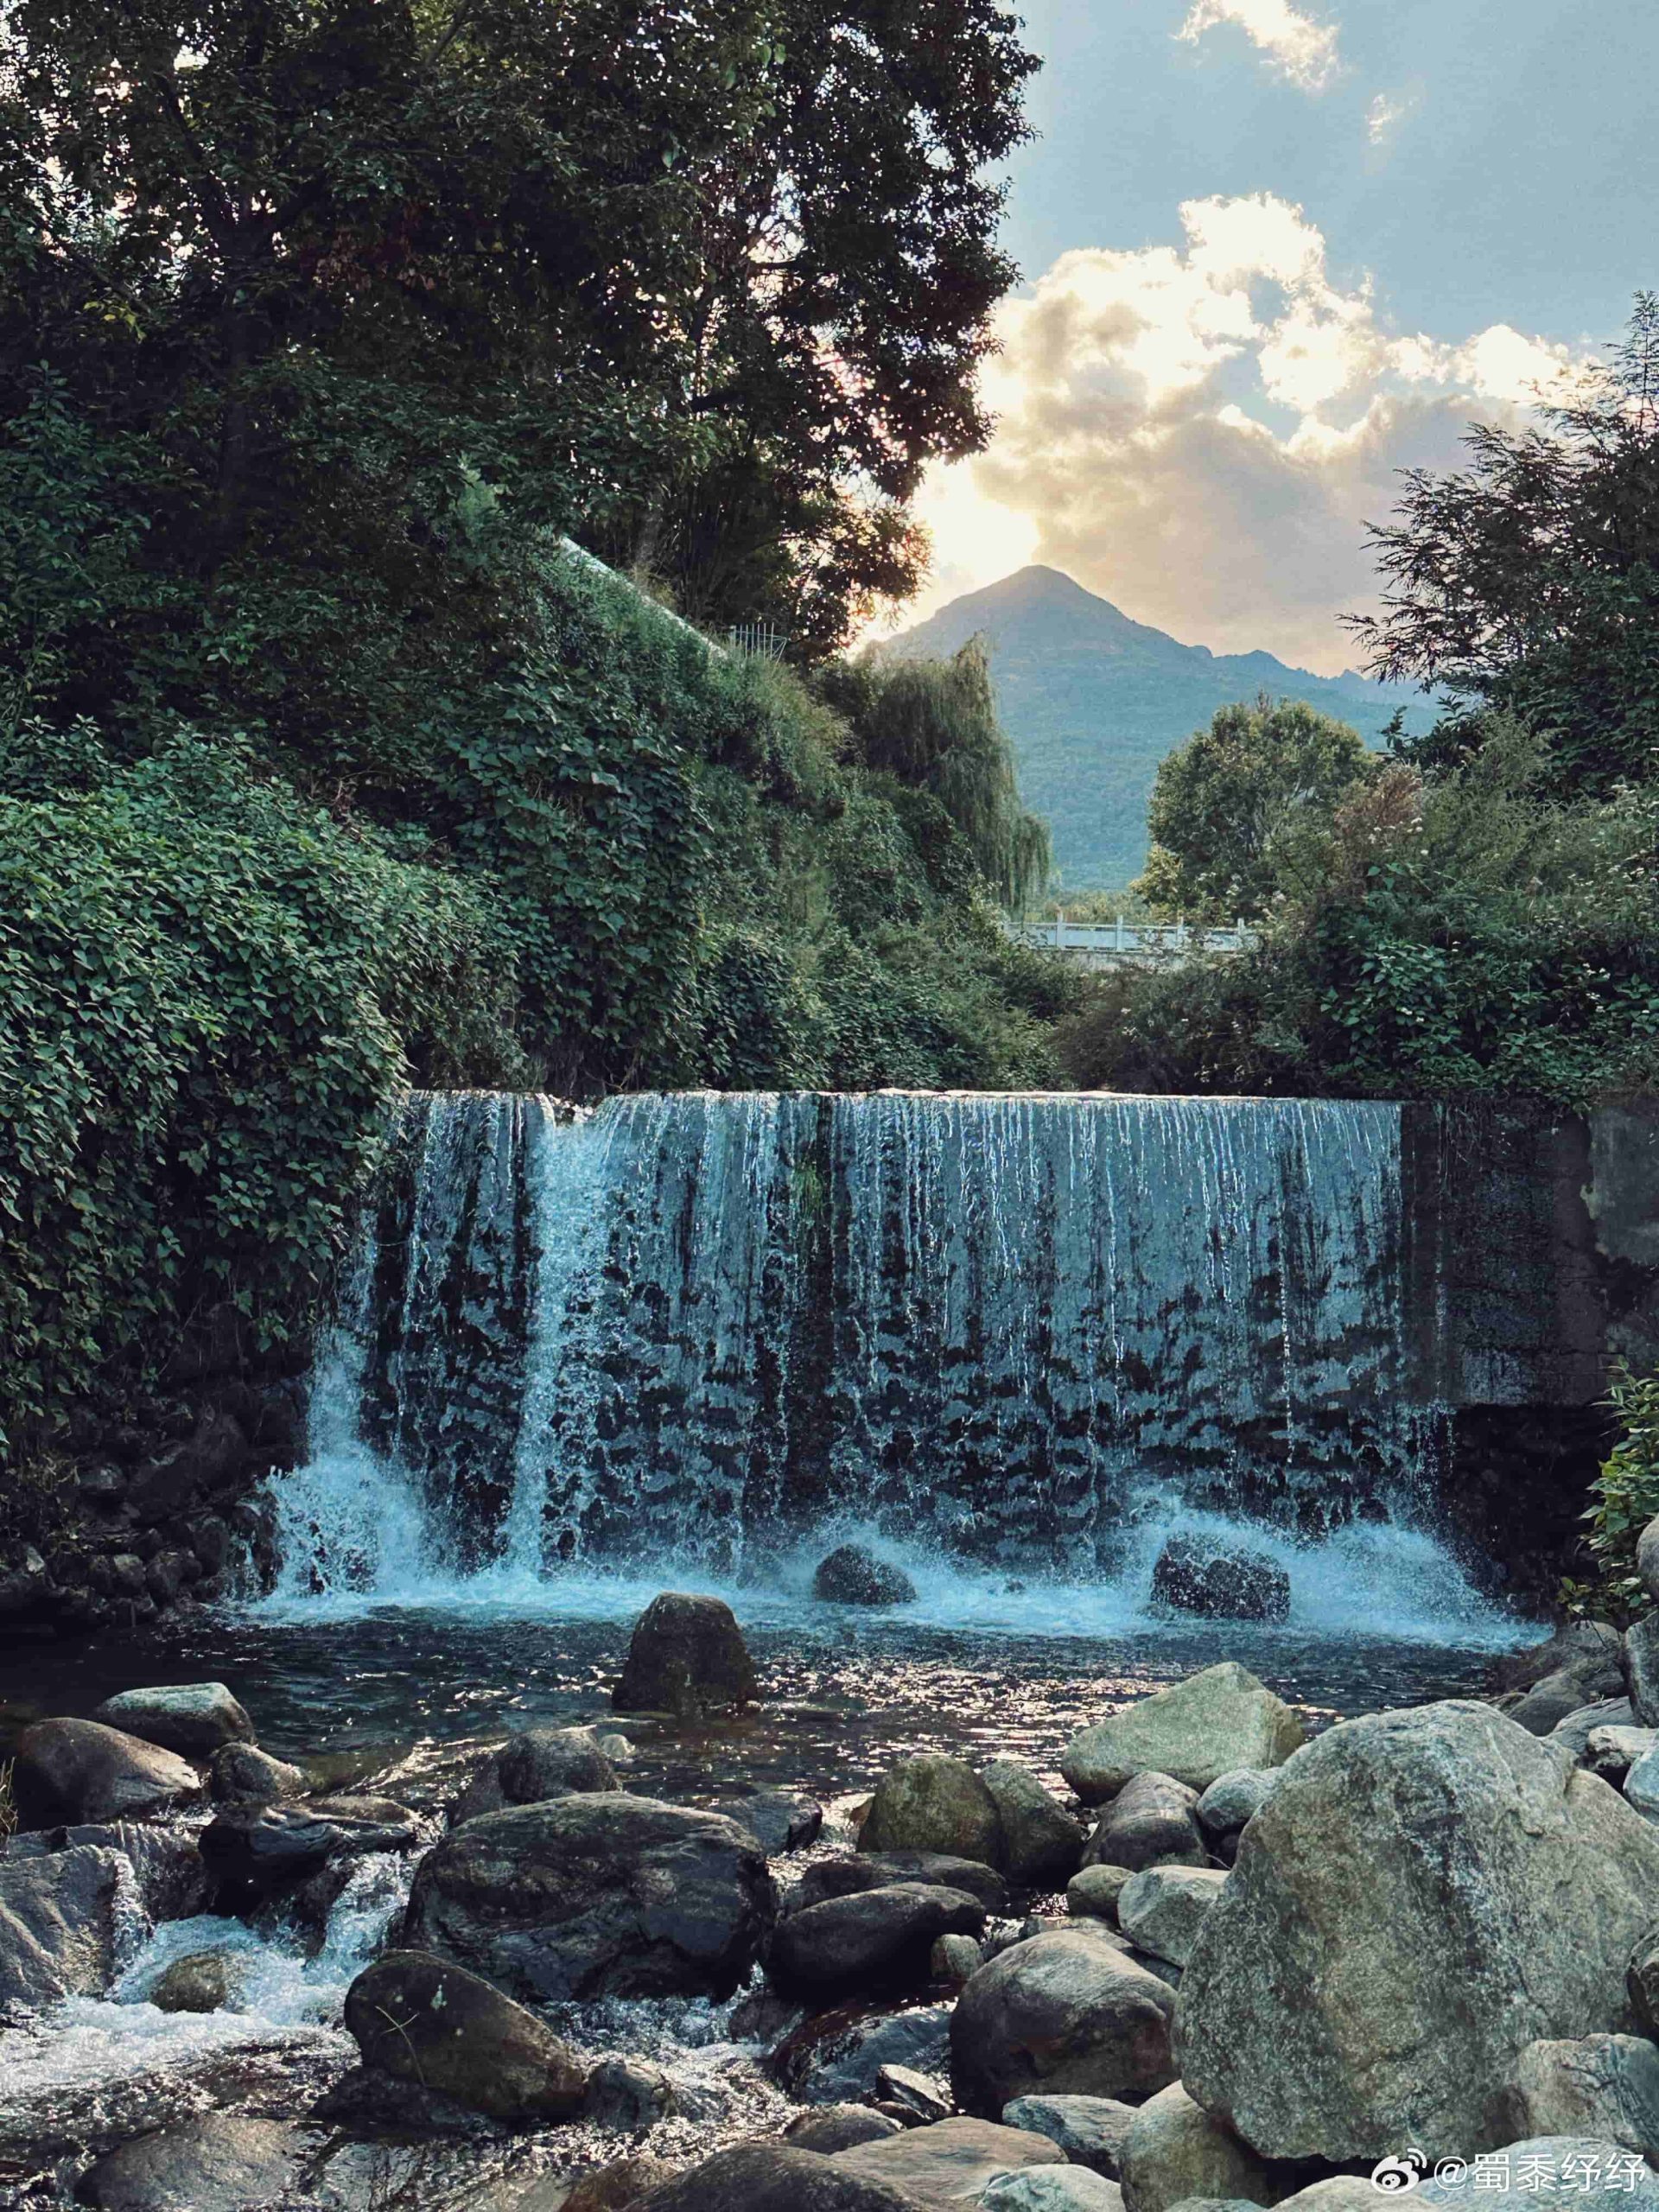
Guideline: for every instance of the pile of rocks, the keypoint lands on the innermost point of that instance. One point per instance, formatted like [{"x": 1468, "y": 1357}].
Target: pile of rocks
[{"x": 1425, "y": 1937}]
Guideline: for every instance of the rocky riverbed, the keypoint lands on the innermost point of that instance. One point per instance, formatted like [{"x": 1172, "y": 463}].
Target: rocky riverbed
[{"x": 1216, "y": 1949}]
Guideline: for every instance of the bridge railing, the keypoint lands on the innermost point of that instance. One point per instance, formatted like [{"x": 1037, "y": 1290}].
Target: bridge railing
[{"x": 1120, "y": 940}]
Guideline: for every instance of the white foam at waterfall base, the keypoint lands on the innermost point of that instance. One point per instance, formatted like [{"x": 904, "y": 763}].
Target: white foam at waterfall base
[{"x": 1376, "y": 1581}]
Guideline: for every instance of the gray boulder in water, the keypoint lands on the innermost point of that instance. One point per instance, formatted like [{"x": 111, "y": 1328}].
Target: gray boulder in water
[
  {"x": 194, "y": 1719},
  {"x": 255, "y": 1853},
  {"x": 1425, "y": 1893},
  {"x": 429, "y": 2021},
  {"x": 200, "y": 1982},
  {"x": 533, "y": 1766},
  {"x": 82, "y": 1770},
  {"x": 1064, "y": 2013},
  {"x": 875, "y": 1938},
  {"x": 1220, "y": 1580},
  {"x": 686, "y": 1655},
  {"x": 937, "y": 1803},
  {"x": 853, "y": 1576},
  {"x": 596, "y": 1895}
]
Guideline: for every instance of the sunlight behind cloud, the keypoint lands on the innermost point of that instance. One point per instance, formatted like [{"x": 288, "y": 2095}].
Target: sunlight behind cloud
[
  {"x": 1143, "y": 444},
  {"x": 1299, "y": 48}
]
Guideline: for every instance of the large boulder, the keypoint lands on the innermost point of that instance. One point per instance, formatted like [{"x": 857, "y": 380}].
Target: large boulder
[
  {"x": 1042, "y": 1843},
  {"x": 81, "y": 1770},
  {"x": 256, "y": 1853},
  {"x": 424, "y": 2020},
  {"x": 214, "y": 2162},
  {"x": 1175, "y": 2150},
  {"x": 776, "y": 2177},
  {"x": 949, "y": 2163},
  {"x": 1220, "y": 1580},
  {"x": 1605, "y": 2086},
  {"x": 58, "y": 1923},
  {"x": 1556, "y": 2170},
  {"x": 1425, "y": 1893},
  {"x": 687, "y": 1656},
  {"x": 1065, "y": 2013},
  {"x": 1162, "y": 1909},
  {"x": 855, "y": 1576},
  {"x": 529, "y": 1768},
  {"x": 1091, "y": 2131},
  {"x": 874, "y": 1939},
  {"x": 194, "y": 1719},
  {"x": 1152, "y": 1822},
  {"x": 933, "y": 1803},
  {"x": 591, "y": 1896},
  {"x": 1196, "y": 1730},
  {"x": 1572, "y": 1733}
]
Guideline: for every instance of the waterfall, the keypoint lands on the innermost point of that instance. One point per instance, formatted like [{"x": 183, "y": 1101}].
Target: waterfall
[{"x": 698, "y": 1326}]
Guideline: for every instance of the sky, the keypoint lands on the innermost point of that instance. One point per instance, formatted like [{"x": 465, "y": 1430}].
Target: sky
[{"x": 1272, "y": 254}]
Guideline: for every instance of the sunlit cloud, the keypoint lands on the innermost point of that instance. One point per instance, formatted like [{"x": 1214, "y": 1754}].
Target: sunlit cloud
[
  {"x": 1299, "y": 48},
  {"x": 1383, "y": 116},
  {"x": 1200, "y": 431}
]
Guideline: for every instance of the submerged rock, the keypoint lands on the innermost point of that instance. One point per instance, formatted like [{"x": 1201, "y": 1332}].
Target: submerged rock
[
  {"x": 591, "y": 1896},
  {"x": 426, "y": 2021},
  {"x": 855, "y": 1576},
  {"x": 194, "y": 1719},
  {"x": 85, "y": 1771},
  {"x": 1064, "y": 2013},
  {"x": 933, "y": 1803},
  {"x": 687, "y": 1655},
  {"x": 1221, "y": 1581},
  {"x": 780, "y": 1821},
  {"x": 215, "y": 2162},
  {"x": 200, "y": 1982},
  {"x": 1425, "y": 1893},
  {"x": 1196, "y": 1731}
]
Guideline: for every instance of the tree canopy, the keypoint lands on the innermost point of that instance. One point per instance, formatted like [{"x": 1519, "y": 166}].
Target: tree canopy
[
  {"x": 1528, "y": 582},
  {"x": 1230, "y": 807}
]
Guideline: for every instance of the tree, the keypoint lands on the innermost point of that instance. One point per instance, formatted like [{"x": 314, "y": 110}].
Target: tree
[
  {"x": 1529, "y": 581},
  {"x": 707, "y": 283},
  {"x": 1230, "y": 807}
]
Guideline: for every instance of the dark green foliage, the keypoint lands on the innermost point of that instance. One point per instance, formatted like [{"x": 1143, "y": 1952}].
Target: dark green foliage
[
  {"x": 208, "y": 995},
  {"x": 1624, "y": 1497},
  {"x": 1472, "y": 936},
  {"x": 1235, "y": 809},
  {"x": 1529, "y": 583}
]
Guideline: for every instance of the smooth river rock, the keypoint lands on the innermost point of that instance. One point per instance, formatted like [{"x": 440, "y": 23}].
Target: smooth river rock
[
  {"x": 1065, "y": 2013},
  {"x": 874, "y": 1939},
  {"x": 1425, "y": 1893},
  {"x": 425, "y": 2020},
  {"x": 1162, "y": 1909},
  {"x": 1152, "y": 1822},
  {"x": 1091, "y": 2131},
  {"x": 1196, "y": 1730},
  {"x": 854, "y": 1575},
  {"x": 949, "y": 2163},
  {"x": 533, "y": 1766},
  {"x": 194, "y": 1719},
  {"x": 933, "y": 1803},
  {"x": 1220, "y": 1581},
  {"x": 777, "y": 2177},
  {"x": 1041, "y": 1842},
  {"x": 591, "y": 1896},
  {"x": 215, "y": 2162},
  {"x": 82, "y": 1770},
  {"x": 58, "y": 1926}
]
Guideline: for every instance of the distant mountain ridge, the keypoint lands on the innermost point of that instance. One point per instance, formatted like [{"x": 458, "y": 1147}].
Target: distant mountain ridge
[{"x": 1093, "y": 700}]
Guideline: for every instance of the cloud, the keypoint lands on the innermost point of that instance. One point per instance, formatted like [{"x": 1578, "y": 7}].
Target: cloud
[
  {"x": 1383, "y": 115},
  {"x": 1299, "y": 48},
  {"x": 1201, "y": 431}
]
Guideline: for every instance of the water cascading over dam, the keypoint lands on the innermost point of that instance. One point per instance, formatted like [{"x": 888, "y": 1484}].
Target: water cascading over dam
[{"x": 696, "y": 1327}]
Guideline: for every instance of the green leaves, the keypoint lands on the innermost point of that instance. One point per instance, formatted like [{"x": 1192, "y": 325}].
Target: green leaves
[{"x": 1626, "y": 1497}]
